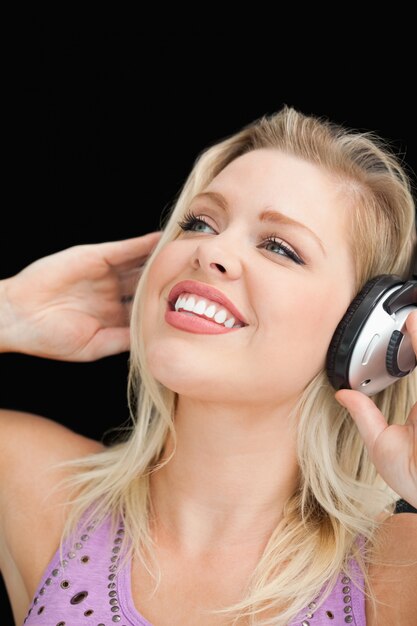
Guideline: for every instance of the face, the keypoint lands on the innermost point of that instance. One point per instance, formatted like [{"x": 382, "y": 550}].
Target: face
[{"x": 291, "y": 279}]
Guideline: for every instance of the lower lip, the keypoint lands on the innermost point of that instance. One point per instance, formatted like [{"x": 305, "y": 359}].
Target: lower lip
[{"x": 195, "y": 324}]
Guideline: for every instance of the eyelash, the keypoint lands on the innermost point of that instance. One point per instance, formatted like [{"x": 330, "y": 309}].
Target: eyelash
[{"x": 189, "y": 220}]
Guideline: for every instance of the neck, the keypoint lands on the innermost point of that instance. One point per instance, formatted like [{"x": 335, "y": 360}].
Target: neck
[{"x": 226, "y": 485}]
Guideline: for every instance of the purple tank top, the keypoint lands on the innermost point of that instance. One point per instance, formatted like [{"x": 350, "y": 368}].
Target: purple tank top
[{"x": 83, "y": 589}]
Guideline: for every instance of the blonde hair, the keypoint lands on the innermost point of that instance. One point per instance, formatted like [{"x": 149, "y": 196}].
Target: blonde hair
[{"x": 340, "y": 494}]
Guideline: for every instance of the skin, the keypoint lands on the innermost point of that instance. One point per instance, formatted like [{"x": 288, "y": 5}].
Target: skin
[
  {"x": 222, "y": 493},
  {"x": 235, "y": 463}
]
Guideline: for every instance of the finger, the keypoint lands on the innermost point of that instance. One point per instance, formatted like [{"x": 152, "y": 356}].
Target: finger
[
  {"x": 106, "y": 342},
  {"x": 411, "y": 326},
  {"x": 128, "y": 251},
  {"x": 366, "y": 415},
  {"x": 129, "y": 281}
]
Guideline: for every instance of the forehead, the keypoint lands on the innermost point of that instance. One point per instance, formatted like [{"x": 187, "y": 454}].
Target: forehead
[{"x": 270, "y": 177}]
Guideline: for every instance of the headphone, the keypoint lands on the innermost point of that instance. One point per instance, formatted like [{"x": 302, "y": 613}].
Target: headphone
[{"x": 371, "y": 348}]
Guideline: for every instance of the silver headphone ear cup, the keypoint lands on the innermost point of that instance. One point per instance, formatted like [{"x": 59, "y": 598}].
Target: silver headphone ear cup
[{"x": 347, "y": 331}]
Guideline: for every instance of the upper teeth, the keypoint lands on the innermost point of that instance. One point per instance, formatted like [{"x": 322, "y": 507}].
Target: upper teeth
[{"x": 203, "y": 306}]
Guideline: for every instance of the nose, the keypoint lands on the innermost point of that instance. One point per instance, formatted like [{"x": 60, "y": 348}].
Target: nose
[{"x": 213, "y": 256}]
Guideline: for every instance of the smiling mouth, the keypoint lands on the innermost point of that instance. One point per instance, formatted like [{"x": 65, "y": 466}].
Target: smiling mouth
[{"x": 213, "y": 312}]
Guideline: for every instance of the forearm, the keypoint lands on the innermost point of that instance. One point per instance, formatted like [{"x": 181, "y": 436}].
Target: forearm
[{"x": 6, "y": 319}]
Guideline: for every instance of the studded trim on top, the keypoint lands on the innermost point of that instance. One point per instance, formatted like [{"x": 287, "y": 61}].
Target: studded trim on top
[
  {"x": 75, "y": 593},
  {"x": 39, "y": 605},
  {"x": 347, "y": 614},
  {"x": 39, "y": 602},
  {"x": 113, "y": 597}
]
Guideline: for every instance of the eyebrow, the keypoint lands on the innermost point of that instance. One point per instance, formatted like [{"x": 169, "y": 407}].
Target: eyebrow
[{"x": 267, "y": 215}]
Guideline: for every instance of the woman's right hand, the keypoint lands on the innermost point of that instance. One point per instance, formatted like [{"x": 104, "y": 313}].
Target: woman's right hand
[{"x": 73, "y": 305}]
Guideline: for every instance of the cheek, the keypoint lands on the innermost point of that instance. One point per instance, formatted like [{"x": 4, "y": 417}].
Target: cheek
[
  {"x": 159, "y": 276},
  {"x": 301, "y": 320},
  {"x": 164, "y": 265},
  {"x": 163, "y": 271}
]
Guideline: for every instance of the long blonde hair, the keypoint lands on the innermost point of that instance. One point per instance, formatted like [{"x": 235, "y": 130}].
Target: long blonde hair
[{"x": 339, "y": 495}]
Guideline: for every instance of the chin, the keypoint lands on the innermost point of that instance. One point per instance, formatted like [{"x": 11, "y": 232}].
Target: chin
[
  {"x": 167, "y": 368},
  {"x": 182, "y": 377}
]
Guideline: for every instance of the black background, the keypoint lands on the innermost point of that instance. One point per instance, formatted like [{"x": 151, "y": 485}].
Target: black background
[{"x": 102, "y": 127}]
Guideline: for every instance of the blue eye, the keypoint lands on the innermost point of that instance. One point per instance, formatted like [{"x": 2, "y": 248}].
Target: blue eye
[
  {"x": 189, "y": 221},
  {"x": 283, "y": 249}
]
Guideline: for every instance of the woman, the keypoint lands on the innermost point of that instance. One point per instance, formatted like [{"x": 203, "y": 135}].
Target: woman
[{"x": 245, "y": 492}]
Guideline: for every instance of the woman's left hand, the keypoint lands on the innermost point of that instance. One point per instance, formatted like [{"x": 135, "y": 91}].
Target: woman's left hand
[{"x": 392, "y": 448}]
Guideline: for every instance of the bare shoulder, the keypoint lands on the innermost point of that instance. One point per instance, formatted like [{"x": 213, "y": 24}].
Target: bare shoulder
[
  {"x": 398, "y": 537},
  {"x": 394, "y": 572},
  {"x": 29, "y": 447},
  {"x": 401, "y": 529},
  {"x": 22, "y": 424},
  {"x": 31, "y": 511},
  {"x": 30, "y": 443}
]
